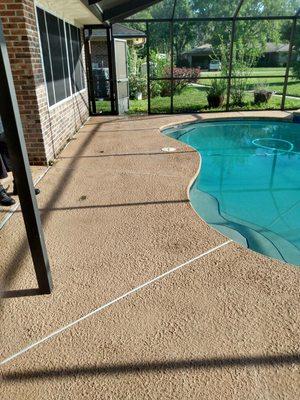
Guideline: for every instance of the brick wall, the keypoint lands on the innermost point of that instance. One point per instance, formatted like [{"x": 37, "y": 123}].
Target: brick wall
[{"x": 46, "y": 131}]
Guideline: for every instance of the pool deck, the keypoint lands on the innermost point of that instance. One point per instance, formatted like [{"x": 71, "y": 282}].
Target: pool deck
[{"x": 161, "y": 306}]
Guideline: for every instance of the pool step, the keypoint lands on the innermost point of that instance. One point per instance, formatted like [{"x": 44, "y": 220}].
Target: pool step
[{"x": 251, "y": 236}]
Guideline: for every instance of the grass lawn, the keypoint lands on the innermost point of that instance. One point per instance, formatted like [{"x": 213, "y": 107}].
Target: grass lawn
[
  {"x": 103, "y": 106},
  {"x": 193, "y": 99},
  {"x": 275, "y": 84},
  {"x": 254, "y": 71}
]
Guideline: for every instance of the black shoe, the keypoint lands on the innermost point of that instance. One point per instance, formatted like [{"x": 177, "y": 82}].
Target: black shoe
[
  {"x": 5, "y": 199},
  {"x": 15, "y": 191}
]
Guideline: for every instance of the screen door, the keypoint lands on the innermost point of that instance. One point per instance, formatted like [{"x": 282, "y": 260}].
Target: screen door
[{"x": 122, "y": 75}]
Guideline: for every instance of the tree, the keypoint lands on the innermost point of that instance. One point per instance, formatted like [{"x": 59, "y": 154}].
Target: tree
[
  {"x": 187, "y": 35},
  {"x": 286, "y": 34}
]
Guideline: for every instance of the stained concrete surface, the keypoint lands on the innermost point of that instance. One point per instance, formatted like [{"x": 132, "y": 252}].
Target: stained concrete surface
[
  {"x": 37, "y": 173},
  {"x": 115, "y": 212}
]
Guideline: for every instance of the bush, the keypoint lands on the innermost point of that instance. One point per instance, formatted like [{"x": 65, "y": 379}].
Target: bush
[
  {"x": 239, "y": 86},
  {"x": 245, "y": 55},
  {"x": 158, "y": 64},
  {"x": 155, "y": 88},
  {"x": 190, "y": 75},
  {"x": 137, "y": 84},
  {"x": 217, "y": 87}
]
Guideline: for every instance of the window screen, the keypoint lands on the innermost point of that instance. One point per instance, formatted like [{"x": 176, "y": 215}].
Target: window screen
[
  {"x": 65, "y": 57},
  {"x": 75, "y": 61},
  {"x": 62, "y": 57},
  {"x": 46, "y": 56}
]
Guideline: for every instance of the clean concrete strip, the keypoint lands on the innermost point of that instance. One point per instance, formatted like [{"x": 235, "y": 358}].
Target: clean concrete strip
[
  {"x": 101, "y": 308},
  {"x": 14, "y": 208}
]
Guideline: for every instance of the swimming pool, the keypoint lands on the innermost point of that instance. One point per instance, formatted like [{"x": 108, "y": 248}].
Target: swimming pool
[{"x": 248, "y": 186}]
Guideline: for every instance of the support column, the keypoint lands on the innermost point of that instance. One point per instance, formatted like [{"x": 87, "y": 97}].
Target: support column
[{"x": 10, "y": 116}]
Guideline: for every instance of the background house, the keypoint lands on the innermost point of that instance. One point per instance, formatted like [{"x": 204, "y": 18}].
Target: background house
[
  {"x": 199, "y": 56},
  {"x": 275, "y": 55}
]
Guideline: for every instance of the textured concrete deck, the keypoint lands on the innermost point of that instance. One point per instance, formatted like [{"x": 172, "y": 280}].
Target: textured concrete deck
[
  {"x": 116, "y": 214},
  {"x": 37, "y": 174}
]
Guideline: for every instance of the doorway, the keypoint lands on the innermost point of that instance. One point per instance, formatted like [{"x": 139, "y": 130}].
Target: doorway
[
  {"x": 122, "y": 75},
  {"x": 113, "y": 82}
]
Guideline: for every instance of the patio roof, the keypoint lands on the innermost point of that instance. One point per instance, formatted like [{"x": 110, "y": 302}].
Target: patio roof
[
  {"x": 77, "y": 12},
  {"x": 116, "y": 10},
  {"x": 120, "y": 31},
  {"x": 112, "y": 11},
  {"x": 89, "y": 12}
]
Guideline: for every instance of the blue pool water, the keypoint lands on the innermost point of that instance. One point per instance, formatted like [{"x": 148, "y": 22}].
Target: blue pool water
[{"x": 248, "y": 186}]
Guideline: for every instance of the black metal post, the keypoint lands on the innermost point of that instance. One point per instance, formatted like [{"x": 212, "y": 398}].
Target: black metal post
[
  {"x": 114, "y": 72},
  {"x": 213, "y": 19},
  {"x": 288, "y": 63},
  {"x": 234, "y": 18},
  {"x": 148, "y": 69},
  {"x": 230, "y": 64},
  {"x": 90, "y": 76},
  {"x": 110, "y": 67},
  {"x": 174, "y": 9},
  {"x": 172, "y": 67},
  {"x": 172, "y": 56},
  {"x": 11, "y": 119}
]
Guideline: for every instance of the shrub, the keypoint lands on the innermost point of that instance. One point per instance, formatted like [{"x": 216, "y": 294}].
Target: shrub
[
  {"x": 190, "y": 75},
  {"x": 239, "y": 86},
  {"x": 137, "y": 84},
  {"x": 158, "y": 64},
  {"x": 155, "y": 88},
  {"x": 217, "y": 88},
  {"x": 244, "y": 57}
]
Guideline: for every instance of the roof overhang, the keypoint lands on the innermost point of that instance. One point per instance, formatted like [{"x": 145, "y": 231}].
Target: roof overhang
[
  {"x": 77, "y": 12},
  {"x": 95, "y": 12},
  {"x": 117, "y": 10}
]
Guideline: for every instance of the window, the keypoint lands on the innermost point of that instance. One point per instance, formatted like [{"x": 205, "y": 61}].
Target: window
[
  {"x": 62, "y": 57},
  {"x": 75, "y": 62}
]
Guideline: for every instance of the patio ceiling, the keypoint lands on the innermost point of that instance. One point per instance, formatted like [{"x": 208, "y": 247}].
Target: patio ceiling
[
  {"x": 116, "y": 10},
  {"x": 77, "y": 12}
]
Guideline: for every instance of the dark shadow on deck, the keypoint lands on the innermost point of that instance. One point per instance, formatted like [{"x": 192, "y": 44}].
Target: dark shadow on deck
[
  {"x": 19, "y": 293},
  {"x": 95, "y": 206},
  {"x": 145, "y": 203},
  {"x": 161, "y": 153},
  {"x": 132, "y": 368}
]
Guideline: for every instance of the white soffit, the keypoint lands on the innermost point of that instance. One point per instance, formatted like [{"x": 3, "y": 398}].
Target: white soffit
[{"x": 73, "y": 11}]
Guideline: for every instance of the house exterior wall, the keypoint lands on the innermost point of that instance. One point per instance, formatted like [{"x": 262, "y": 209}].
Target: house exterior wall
[
  {"x": 201, "y": 61},
  {"x": 46, "y": 129}
]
